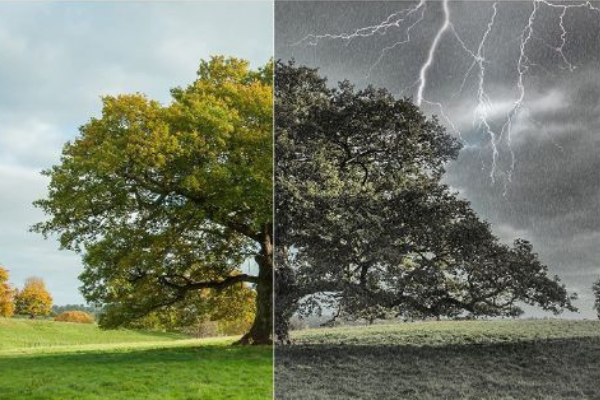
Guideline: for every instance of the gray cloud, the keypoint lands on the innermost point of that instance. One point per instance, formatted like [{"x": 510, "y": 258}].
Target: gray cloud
[{"x": 553, "y": 198}]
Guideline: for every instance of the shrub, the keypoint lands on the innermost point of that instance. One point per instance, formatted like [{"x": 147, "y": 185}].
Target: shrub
[{"x": 75, "y": 316}]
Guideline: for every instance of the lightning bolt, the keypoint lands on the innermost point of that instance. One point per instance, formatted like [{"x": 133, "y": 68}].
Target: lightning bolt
[
  {"x": 484, "y": 103},
  {"x": 409, "y": 19},
  {"x": 523, "y": 66},
  {"x": 422, "y": 7},
  {"x": 393, "y": 20},
  {"x": 431, "y": 53}
]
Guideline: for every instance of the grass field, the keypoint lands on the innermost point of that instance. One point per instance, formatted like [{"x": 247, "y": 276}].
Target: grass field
[
  {"x": 478, "y": 360},
  {"x": 46, "y": 360}
]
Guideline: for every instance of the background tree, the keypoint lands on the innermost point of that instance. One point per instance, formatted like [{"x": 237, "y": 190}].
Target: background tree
[
  {"x": 363, "y": 218},
  {"x": 34, "y": 299},
  {"x": 167, "y": 200},
  {"x": 6, "y": 295},
  {"x": 596, "y": 290}
]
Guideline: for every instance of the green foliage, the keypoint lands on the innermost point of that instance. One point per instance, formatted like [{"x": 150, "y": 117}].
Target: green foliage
[
  {"x": 34, "y": 299},
  {"x": 166, "y": 200},
  {"x": 364, "y": 223},
  {"x": 227, "y": 312},
  {"x": 80, "y": 317},
  {"x": 6, "y": 295}
]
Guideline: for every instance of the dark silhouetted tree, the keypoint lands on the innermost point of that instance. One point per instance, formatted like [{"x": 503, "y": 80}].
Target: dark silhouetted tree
[
  {"x": 596, "y": 290},
  {"x": 362, "y": 218}
]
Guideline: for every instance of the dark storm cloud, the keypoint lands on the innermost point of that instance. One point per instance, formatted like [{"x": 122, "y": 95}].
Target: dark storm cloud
[{"x": 553, "y": 197}]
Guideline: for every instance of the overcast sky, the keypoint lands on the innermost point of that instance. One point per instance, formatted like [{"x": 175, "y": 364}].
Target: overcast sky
[
  {"x": 549, "y": 192},
  {"x": 57, "y": 59}
]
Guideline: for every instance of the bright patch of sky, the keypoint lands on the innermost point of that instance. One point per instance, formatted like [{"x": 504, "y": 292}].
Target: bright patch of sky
[{"x": 58, "y": 59}]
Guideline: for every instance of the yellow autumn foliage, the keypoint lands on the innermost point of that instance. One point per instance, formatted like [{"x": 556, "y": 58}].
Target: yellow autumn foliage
[
  {"x": 6, "y": 295},
  {"x": 34, "y": 299},
  {"x": 75, "y": 316}
]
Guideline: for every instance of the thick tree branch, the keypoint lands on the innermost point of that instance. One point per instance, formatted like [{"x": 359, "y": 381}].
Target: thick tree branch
[{"x": 188, "y": 284}]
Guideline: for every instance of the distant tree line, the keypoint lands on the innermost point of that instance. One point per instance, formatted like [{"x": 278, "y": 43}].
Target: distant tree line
[
  {"x": 227, "y": 312},
  {"x": 90, "y": 309},
  {"x": 33, "y": 300}
]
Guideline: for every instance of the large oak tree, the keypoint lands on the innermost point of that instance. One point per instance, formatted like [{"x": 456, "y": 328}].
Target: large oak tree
[
  {"x": 167, "y": 200},
  {"x": 363, "y": 219}
]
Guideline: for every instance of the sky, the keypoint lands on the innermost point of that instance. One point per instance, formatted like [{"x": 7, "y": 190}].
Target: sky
[
  {"x": 58, "y": 58},
  {"x": 518, "y": 82}
]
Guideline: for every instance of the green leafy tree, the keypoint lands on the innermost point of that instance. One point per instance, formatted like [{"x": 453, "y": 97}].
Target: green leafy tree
[
  {"x": 167, "y": 200},
  {"x": 230, "y": 310},
  {"x": 34, "y": 299},
  {"x": 364, "y": 224},
  {"x": 7, "y": 292}
]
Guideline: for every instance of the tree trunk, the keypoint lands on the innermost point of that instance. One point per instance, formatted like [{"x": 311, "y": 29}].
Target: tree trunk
[
  {"x": 286, "y": 299},
  {"x": 262, "y": 328}
]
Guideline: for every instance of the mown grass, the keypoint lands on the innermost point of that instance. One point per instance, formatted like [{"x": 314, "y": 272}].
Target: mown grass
[
  {"x": 115, "y": 365},
  {"x": 25, "y": 333},
  {"x": 451, "y": 332},
  {"x": 483, "y": 360}
]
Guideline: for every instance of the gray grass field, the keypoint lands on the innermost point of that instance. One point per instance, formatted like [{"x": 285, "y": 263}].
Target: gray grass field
[{"x": 483, "y": 360}]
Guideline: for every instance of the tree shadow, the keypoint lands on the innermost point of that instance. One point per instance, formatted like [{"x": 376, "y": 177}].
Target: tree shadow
[
  {"x": 529, "y": 369},
  {"x": 144, "y": 355}
]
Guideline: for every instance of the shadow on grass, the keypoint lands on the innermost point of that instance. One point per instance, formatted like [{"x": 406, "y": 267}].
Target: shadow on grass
[
  {"x": 144, "y": 355},
  {"x": 541, "y": 369}
]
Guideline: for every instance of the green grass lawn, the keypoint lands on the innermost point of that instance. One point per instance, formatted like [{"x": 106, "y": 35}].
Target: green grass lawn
[
  {"x": 51, "y": 360},
  {"x": 475, "y": 360},
  {"x": 31, "y": 334}
]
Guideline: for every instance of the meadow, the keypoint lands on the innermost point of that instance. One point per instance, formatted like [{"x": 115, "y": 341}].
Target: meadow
[
  {"x": 46, "y": 360},
  {"x": 451, "y": 360}
]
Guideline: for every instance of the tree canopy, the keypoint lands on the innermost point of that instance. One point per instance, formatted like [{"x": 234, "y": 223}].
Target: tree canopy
[
  {"x": 231, "y": 311},
  {"x": 6, "y": 295},
  {"x": 596, "y": 290},
  {"x": 363, "y": 219},
  {"x": 167, "y": 200},
  {"x": 34, "y": 299}
]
